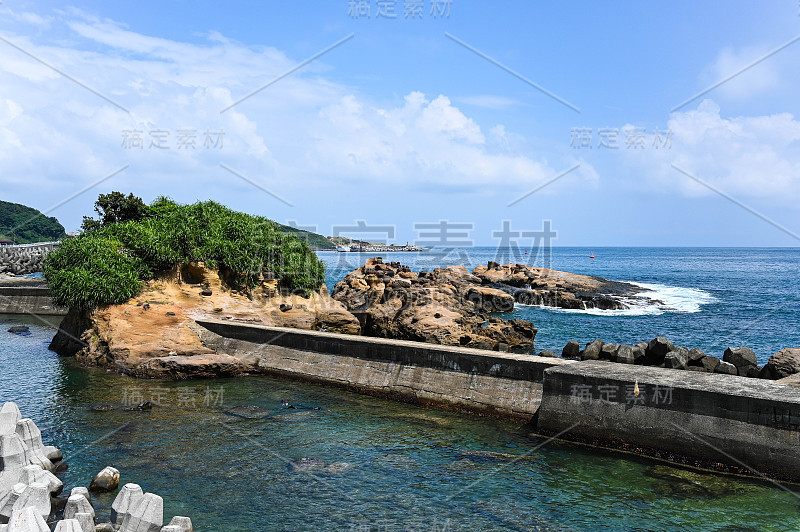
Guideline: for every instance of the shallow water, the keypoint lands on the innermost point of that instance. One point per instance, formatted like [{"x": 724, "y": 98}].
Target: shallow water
[{"x": 407, "y": 468}]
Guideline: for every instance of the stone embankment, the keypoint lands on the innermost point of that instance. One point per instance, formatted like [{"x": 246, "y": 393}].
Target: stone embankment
[
  {"x": 661, "y": 352},
  {"x": 30, "y": 492},
  {"x": 24, "y": 259}
]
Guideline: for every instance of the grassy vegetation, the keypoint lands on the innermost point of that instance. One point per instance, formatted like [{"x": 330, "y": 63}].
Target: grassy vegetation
[
  {"x": 25, "y": 225},
  {"x": 106, "y": 264}
]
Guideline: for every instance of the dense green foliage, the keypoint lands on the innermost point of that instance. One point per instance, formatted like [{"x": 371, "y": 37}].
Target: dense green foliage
[
  {"x": 25, "y": 225},
  {"x": 103, "y": 265}
]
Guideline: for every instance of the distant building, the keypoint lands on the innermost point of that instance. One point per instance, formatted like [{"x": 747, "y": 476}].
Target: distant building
[{"x": 6, "y": 242}]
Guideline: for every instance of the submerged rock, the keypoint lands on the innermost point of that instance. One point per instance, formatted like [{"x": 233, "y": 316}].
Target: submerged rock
[
  {"x": 248, "y": 412},
  {"x": 692, "y": 483},
  {"x": 491, "y": 456},
  {"x": 316, "y": 466}
]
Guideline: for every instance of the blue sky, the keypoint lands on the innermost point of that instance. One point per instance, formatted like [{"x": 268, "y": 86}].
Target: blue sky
[{"x": 405, "y": 123}]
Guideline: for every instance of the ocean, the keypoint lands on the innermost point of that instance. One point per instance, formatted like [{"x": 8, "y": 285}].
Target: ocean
[{"x": 377, "y": 465}]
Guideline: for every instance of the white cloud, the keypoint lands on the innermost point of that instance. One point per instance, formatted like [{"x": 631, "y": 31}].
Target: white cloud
[
  {"x": 304, "y": 132},
  {"x": 757, "y": 79},
  {"x": 745, "y": 156}
]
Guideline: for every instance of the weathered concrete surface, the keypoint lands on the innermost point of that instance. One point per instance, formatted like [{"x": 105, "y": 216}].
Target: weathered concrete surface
[
  {"x": 718, "y": 419},
  {"x": 475, "y": 380},
  {"x": 28, "y": 300}
]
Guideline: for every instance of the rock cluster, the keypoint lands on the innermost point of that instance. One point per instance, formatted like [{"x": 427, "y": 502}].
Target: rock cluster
[
  {"x": 447, "y": 306},
  {"x": 21, "y": 260},
  {"x": 659, "y": 351},
  {"x": 553, "y": 288},
  {"x": 29, "y": 489}
]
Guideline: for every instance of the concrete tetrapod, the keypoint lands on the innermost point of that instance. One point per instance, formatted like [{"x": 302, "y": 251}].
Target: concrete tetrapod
[
  {"x": 80, "y": 490},
  {"x": 36, "y": 495},
  {"x": 68, "y": 525},
  {"x": 127, "y": 499},
  {"x": 86, "y": 521},
  {"x": 33, "y": 473},
  {"x": 7, "y": 502},
  {"x": 27, "y": 520},
  {"x": 147, "y": 516},
  {"x": 9, "y": 415},
  {"x": 183, "y": 524},
  {"x": 32, "y": 437},
  {"x": 77, "y": 504}
]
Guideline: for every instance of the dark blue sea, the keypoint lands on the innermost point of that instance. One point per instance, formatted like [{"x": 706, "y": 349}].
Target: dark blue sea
[
  {"x": 411, "y": 468},
  {"x": 713, "y": 298}
]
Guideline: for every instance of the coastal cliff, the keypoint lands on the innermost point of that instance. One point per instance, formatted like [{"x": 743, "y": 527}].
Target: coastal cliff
[{"x": 151, "y": 335}]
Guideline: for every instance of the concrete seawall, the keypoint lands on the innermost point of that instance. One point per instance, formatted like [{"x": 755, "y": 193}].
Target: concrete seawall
[
  {"x": 750, "y": 424},
  {"x": 473, "y": 380},
  {"x": 719, "y": 421},
  {"x": 28, "y": 300}
]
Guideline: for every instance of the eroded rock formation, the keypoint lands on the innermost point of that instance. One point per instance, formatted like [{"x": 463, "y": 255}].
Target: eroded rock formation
[
  {"x": 151, "y": 335},
  {"x": 447, "y": 306}
]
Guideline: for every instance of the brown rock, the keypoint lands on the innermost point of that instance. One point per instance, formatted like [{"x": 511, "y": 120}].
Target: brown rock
[{"x": 783, "y": 363}]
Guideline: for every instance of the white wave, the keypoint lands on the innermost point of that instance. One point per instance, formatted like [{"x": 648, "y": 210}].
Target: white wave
[{"x": 654, "y": 300}]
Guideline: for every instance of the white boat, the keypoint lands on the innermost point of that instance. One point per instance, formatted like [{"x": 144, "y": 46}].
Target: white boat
[{"x": 342, "y": 248}]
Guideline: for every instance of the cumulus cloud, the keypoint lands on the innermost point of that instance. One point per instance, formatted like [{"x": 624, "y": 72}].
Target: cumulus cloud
[
  {"x": 305, "y": 130},
  {"x": 749, "y": 156}
]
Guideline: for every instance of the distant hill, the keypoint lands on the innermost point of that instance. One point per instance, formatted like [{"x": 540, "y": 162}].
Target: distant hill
[
  {"x": 314, "y": 240},
  {"x": 25, "y": 225}
]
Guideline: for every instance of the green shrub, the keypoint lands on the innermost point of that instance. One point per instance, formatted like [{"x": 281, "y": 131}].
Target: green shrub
[
  {"x": 241, "y": 245},
  {"x": 84, "y": 273}
]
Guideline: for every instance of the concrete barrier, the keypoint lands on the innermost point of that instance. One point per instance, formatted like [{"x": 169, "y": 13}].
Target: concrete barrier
[
  {"x": 749, "y": 426},
  {"x": 723, "y": 422},
  {"x": 473, "y": 380},
  {"x": 28, "y": 300}
]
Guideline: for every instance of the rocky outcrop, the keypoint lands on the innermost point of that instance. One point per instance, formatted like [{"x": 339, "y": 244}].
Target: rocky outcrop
[
  {"x": 554, "y": 288},
  {"x": 447, "y": 306},
  {"x": 152, "y": 335}
]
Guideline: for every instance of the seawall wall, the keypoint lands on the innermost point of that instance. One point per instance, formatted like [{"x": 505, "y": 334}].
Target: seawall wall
[
  {"x": 502, "y": 384},
  {"x": 28, "y": 300},
  {"x": 745, "y": 425}
]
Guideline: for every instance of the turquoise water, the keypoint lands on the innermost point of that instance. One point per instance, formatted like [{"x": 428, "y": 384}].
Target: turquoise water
[
  {"x": 407, "y": 468},
  {"x": 378, "y": 465}
]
